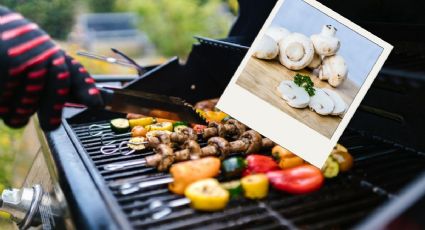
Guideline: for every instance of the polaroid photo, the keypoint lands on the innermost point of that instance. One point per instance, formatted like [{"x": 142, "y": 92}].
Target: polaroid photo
[{"x": 304, "y": 77}]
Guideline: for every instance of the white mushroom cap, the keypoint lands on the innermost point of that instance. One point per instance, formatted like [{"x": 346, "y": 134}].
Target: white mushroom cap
[
  {"x": 326, "y": 43},
  {"x": 277, "y": 33},
  {"x": 321, "y": 103},
  {"x": 296, "y": 51},
  {"x": 334, "y": 70},
  {"x": 294, "y": 95},
  {"x": 315, "y": 63},
  {"x": 340, "y": 105},
  {"x": 266, "y": 48}
]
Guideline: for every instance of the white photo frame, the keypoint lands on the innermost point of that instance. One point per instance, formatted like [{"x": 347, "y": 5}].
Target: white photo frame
[{"x": 306, "y": 139}]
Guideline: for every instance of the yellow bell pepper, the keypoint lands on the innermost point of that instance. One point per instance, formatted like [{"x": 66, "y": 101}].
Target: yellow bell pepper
[
  {"x": 207, "y": 195},
  {"x": 255, "y": 186},
  {"x": 216, "y": 116},
  {"x": 164, "y": 126},
  {"x": 143, "y": 121}
]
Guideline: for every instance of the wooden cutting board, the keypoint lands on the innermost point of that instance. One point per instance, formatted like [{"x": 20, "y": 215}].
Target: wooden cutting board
[{"x": 261, "y": 77}]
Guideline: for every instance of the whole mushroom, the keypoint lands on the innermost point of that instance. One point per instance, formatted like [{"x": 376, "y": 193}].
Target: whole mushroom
[
  {"x": 253, "y": 139},
  {"x": 217, "y": 146},
  {"x": 334, "y": 69},
  {"x": 167, "y": 156},
  {"x": 296, "y": 51},
  {"x": 325, "y": 43},
  {"x": 315, "y": 63},
  {"x": 277, "y": 33},
  {"x": 266, "y": 48}
]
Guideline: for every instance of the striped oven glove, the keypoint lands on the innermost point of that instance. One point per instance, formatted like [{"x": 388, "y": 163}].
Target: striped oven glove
[{"x": 37, "y": 76}]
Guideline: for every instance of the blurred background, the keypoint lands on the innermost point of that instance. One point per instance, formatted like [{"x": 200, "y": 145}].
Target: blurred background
[{"x": 149, "y": 31}]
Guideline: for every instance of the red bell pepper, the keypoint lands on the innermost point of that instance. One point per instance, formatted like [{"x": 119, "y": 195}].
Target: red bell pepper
[
  {"x": 298, "y": 180},
  {"x": 198, "y": 128},
  {"x": 259, "y": 164}
]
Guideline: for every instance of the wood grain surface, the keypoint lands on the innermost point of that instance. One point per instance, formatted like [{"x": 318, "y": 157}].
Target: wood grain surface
[{"x": 261, "y": 77}]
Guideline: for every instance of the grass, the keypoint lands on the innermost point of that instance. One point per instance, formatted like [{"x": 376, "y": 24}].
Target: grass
[{"x": 9, "y": 145}]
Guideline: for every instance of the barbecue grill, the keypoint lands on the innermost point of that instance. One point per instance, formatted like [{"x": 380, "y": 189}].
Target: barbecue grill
[{"x": 68, "y": 187}]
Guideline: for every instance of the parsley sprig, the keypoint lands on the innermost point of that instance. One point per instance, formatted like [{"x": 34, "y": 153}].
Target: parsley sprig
[{"x": 305, "y": 82}]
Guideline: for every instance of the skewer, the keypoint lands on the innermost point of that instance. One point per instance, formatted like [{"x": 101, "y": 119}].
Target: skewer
[
  {"x": 164, "y": 209},
  {"x": 210, "y": 150},
  {"x": 116, "y": 166},
  {"x": 128, "y": 188},
  {"x": 97, "y": 129}
]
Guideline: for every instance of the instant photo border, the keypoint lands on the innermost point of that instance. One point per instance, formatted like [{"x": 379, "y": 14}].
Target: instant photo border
[{"x": 281, "y": 127}]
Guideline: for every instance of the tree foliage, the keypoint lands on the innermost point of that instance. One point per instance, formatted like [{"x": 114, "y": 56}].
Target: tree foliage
[
  {"x": 54, "y": 16},
  {"x": 170, "y": 25},
  {"x": 101, "y": 6}
]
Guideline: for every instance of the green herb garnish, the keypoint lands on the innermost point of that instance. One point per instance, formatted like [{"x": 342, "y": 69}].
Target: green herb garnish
[{"x": 305, "y": 82}]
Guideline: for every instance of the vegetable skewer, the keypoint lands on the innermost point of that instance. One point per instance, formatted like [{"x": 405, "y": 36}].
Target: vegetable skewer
[{"x": 250, "y": 142}]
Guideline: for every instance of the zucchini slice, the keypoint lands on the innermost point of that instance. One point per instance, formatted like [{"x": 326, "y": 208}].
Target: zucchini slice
[{"x": 120, "y": 125}]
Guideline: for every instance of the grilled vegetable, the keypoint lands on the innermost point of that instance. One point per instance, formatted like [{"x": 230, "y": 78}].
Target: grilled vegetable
[
  {"x": 279, "y": 152},
  {"x": 344, "y": 159},
  {"x": 298, "y": 180},
  {"x": 259, "y": 164},
  {"x": 136, "y": 143},
  {"x": 178, "y": 123},
  {"x": 198, "y": 128},
  {"x": 234, "y": 188},
  {"x": 285, "y": 157},
  {"x": 290, "y": 162},
  {"x": 154, "y": 133},
  {"x": 207, "y": 195},
  {"x": 185, "y": 173},
  {"x": 179, "y": 128},
  {"x": 339, "y": 147},
  {"x": 331, "y": 168},
  {"x": 159, "y": 120},
  {"x": 216, "y": 116},
  {"x": 164, "y": 126},
  {"x": 138, "y": 131},
  {"x": 255, "y": 186},
  {"x": 143, "y": 121},
  {"x": 233, "y": 167},
  {"x": 120, "y": 125}
]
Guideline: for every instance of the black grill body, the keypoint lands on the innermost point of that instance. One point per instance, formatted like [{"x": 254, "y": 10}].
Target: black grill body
[{"x": 385, "y": 137}]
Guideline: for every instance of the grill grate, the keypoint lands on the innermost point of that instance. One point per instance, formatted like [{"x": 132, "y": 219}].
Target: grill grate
[{"x": 380, "y": 170}]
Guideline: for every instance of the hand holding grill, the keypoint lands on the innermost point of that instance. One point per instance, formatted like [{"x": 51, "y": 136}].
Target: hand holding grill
[{"x": 37, "y": 76}]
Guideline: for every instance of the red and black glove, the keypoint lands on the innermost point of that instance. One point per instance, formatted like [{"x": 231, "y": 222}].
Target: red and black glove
[{"x": 37, "y": 76}]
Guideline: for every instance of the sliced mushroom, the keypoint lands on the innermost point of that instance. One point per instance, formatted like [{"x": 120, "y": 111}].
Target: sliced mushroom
[
  {"x": 296, "y": 51},
  {"x": 321, "y": 103},
  {"x": 315, "y": 63},
  {"x": 266, "y": 48},
  {"x": 294, "y": 95},
  {"x": 340, "y": 105},
  {"x": 326, "y": 43},
  {"x": 277, "y": 33},
  {"x": 334, "y": 70}
]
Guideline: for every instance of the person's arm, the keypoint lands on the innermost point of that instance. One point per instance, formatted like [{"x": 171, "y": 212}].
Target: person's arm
[{"x": 36, "y": 75}]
